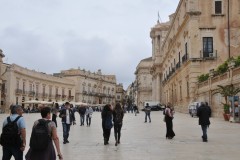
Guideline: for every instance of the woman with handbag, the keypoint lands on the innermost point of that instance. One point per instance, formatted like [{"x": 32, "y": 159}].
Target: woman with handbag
[{"x": 169, "y": 111}]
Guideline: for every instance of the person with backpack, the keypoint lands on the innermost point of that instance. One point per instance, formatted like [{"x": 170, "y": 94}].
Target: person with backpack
[
  {"x": 106, "y": 122},
  {"x": 13, "y": 137},
  {"x": 44, "y": 131},
  {"x": 117, "y": 119},
  {"x": 68, "y": 118}
]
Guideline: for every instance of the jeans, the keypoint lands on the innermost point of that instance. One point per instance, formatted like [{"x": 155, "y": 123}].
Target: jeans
[
  {"x": 204, "y": 130},
  {"x": 147, "y": 114},
  {"x": 117, "y": 131},
  {"x": 88, "y": 119},
  {"x": 66, "y": 129},
  {"x": 82, "y": 117},
  {"x": 8, "y": 152},
  {"x": 106, "y": 133}
]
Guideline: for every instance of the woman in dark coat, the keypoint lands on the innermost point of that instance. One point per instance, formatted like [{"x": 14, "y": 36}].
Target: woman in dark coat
[
  {"x": 106, "y": 122},
  {"x": 117, "y": 119},
  {"x": 168, "y": 119}
]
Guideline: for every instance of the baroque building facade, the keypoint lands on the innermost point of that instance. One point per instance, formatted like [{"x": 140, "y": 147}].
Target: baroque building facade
[
  {"x": 93, "y": 88},
  {"x": 21, "y": 84},
  {"x": 199, "y": 37},
  {"x": 120, "y": 94},
  {"x": 143, "y": 83},
  {"x": 1, "y": 90}
]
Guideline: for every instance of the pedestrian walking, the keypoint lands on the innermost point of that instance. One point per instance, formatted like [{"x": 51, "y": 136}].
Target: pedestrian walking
[
  {"x": 204, "y": 113},
  {"x": 135, "y": 109},
  {"x": 82, "y": 112},
  {"x": 89, "y": 112},
  {"x": 68, "y": 118},
  {"x": 107, "y": 122},
  {"x": 13, "y": 137},
  {"x": 54, "y": 113},
  {"x": 118, "y": 114},
  {"x": 44, "y": 132},
  {"x": 169, "y": 112},
  {"x": 147, "y": 110}
]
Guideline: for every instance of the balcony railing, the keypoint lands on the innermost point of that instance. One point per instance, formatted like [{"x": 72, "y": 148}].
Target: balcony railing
[
  {"x": 31, "y": 93},
  {"x": 70, "y": 98},
  {"x": 24, "y": 92},
  {"x": 18, "y": 91},
  {"x": 184, "y": 58},
  {"x": 44, "y": 95},
  {"x": 57, "y": 96},
  {"x": 178, "y": 65}
]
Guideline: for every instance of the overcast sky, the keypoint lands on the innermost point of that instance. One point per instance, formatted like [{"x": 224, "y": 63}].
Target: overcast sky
[{"x": 54, "y": 35}]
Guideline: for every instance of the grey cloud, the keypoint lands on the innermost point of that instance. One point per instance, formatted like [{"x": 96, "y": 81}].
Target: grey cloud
[{"x": 27, "y": 49}]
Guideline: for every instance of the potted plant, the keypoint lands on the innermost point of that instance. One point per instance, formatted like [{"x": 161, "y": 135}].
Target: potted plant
[{"x": 225, "y": 91}]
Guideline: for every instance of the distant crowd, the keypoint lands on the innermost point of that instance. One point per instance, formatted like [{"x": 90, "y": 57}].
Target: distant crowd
[{"x": 44, "y": 133}]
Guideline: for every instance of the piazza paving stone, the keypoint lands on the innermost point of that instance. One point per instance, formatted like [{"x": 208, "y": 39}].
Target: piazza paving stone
[{"x": 146, "y": 141}]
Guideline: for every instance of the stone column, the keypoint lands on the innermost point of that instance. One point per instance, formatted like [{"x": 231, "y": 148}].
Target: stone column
[
  {"x": 158, "y": 88},
  {"x": 1, "y": 61}
]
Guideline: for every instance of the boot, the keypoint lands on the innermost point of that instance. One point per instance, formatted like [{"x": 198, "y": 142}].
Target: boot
[
  {"x": 105, "y": 141},
  {"x": 119, "y": 138}
]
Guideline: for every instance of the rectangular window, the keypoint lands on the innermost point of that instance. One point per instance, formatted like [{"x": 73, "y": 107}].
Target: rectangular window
[
  {"x": 44, "y": 87},
  {"x": 17, "y": 84},
  {"x": 30, "y": 87},
  {"x": 23, "y": 87},
  {"x": 37, "y": 89},
  {"x": 56, "y": 90},
  {"x": 218, "y": 7},
  {"x": 186, "y": 49},
  {"x": 50, "y": 90},
  {"x": 207, "y": 46},
  {"x": 180, "y": 92}
]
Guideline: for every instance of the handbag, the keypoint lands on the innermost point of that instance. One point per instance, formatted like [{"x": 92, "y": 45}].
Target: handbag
[{"x": 164, "y": 119}]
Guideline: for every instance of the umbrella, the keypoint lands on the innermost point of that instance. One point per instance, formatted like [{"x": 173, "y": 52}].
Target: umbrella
[
  {"x": 80, "y": 104},
  {"x": 31, "y": 102}
]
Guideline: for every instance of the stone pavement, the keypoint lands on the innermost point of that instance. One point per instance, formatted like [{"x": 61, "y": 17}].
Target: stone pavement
[{"x": 146, "y": 141}]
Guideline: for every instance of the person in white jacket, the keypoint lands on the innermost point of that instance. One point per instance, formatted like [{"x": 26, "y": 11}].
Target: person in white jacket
[{"x": 89, "y": 112}]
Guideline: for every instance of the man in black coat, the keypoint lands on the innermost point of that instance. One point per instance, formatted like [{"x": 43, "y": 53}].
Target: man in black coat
[
  {"x": 204, "y": 113},
  {"x": 68, "y": 118}
]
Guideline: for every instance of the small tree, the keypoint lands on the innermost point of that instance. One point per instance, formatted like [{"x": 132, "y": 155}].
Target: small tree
[{"x": 225, "y": 91}]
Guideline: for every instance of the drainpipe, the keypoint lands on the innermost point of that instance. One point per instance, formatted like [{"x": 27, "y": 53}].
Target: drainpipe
[{"x": 229, "y": 53}]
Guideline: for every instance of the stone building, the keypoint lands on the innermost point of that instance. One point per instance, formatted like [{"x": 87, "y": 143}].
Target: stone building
[
  {"x": 120, "y": 94},
  {"x": 1, "y": 89},
  {"x": 92, "y": 88},
  {"x": 21, "y": 84},
  {"x": 194, "y": 41},
  {"x": 143, "y": 82}
]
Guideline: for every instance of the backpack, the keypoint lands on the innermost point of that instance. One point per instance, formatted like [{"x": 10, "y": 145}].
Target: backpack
[
  {"x": 10, "y": 135},
  {"x": 118, "y": 118},
  {"x": 108, "y": 122},
  {"x": 40, "y": 138}
]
